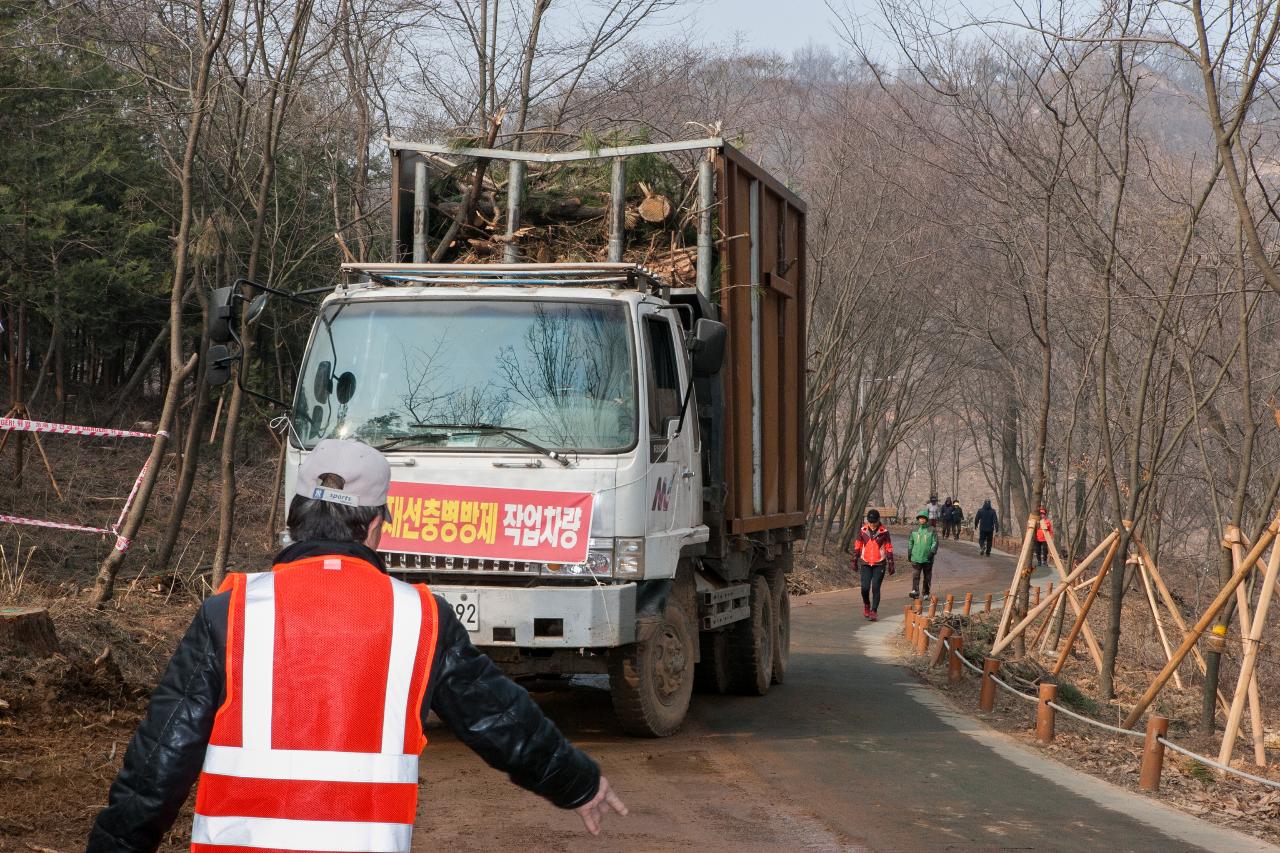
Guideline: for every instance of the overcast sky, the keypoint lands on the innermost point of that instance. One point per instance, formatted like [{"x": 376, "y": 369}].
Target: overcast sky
[{"x": 780, "y": 25}]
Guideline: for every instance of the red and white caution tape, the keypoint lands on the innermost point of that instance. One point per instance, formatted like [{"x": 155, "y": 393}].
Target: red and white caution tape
[
  {"x": 56, "y": 525},
  {"x": 21, "y": 425}
]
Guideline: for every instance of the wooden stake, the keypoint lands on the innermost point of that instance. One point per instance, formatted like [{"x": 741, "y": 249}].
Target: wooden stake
[
  {"x": 1090, "y": 640},
  {"x": 1209, "y": 615},
  {"x": 1153, "y": 754},
  {"x": 955, "y": 668},
  {"x": 1246, "y": 620},
  {"x": 1065, "y": 652},
  {"x": 987, "y": 698},
  {"x": 1250, "y": 658},
  {"x": 1035, "y": 612},
  {"x": 1044, "y": 712},
  {"x": 1024, "y": 556},
  {"x": 968, "y": 603},
  {"x": 1167, "y": 597},
  {"x": 1155, "y": 615}
]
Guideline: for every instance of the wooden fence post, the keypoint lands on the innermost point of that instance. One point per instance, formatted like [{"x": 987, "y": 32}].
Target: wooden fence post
[
  {"x": 955, "y": 666},
  {"x": 986, "y": 605},
  {"x": 907, "y": 617},
  {"x": 968, "y": 603},
  {"x": 951, "y": 601},
  {"x": 1153, "y": 753},
  {"x": 987, "y": 699},
  {"x": 1045, "y": 713},
  {"x": 922, "y": 636},
  {"x": 941, "y": 649}
]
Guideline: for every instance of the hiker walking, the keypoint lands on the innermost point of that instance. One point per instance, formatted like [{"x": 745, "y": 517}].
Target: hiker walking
[
  {"x": 873, "y": 557},
  {"x": 934, "y": 510},
  {"x": 986, "y": 521},
  {"x": 948, "y": 518},
  {"x": 957, "y": 518},
  {"x": 922, "y": 547},
  {"x": 299, "y": 695},
  {"x": 1042, "y": 546}
]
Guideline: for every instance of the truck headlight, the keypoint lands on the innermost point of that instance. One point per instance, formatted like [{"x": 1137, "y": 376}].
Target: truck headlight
[
  {"x": 599, "y": 562},
  {"x": 629, "y": 554}
]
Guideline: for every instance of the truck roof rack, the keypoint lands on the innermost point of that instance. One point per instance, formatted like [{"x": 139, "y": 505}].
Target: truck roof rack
[{"x": 615, "y": 275}]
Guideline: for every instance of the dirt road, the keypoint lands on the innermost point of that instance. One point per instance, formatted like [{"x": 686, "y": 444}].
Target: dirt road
[{"x": 849, "y": 754}]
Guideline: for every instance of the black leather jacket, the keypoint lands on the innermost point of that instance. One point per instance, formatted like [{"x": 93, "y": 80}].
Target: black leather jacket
[{"x": 486, "y": 710}]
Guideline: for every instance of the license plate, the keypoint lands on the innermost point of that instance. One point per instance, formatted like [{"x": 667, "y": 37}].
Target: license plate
[{"x": 466, "y": 606}]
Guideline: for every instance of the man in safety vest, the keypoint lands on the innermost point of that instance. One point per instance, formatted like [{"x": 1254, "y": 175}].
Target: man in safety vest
[{"x": 298, "y": 696}]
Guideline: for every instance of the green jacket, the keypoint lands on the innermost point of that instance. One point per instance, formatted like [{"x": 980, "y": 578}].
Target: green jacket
[{"x": 922, "y": 545}]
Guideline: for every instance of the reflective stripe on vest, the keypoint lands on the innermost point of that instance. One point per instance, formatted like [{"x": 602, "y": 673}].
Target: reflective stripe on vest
[{"x": 324, "y": 765}]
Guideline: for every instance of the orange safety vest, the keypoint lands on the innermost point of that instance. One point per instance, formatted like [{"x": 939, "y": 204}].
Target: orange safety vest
[{"x": 316, "y": 746}]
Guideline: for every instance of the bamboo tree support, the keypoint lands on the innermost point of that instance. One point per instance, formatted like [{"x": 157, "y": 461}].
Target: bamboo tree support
[
  {"x": 1024, "y": 559},
  {"x": 1228, "y": 590},
  {"x": 1022, "y": 626},
  {"x": 1090, "y": 640},
  {"x": 1250, "y": 659},
  {"x": 1155, "y": 615},
  {"x": 1172, "y": 606},
  {"x": 1234, "y": 539},
  {"x": 1167, "y": 598},
  {"x": 1065, "y": 652}
]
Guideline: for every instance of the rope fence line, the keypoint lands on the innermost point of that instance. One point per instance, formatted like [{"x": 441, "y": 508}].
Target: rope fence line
[{"x": 949, "y": 647}]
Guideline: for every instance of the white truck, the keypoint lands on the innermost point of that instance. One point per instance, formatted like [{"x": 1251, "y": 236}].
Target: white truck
[{"x": 601, "y": 470}]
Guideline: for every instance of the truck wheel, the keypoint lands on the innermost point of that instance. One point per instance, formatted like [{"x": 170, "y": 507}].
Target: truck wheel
[
  {"x": 712, "y": 672},
  {"x": 781, "y": 630},
  {"x": 751, "y": 644},
  {"x": 651, "y": 682}
]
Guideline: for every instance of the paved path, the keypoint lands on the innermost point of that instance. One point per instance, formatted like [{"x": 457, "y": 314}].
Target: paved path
[{"x": 850, "y": 754}]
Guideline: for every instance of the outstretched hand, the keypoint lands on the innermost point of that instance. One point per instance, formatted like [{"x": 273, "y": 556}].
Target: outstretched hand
[{"x": 593, "y": 813}]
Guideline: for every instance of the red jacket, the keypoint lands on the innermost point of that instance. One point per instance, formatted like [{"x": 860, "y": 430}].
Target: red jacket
[
  {"x": 873, "y": 547},
  {"x": 1044, "y": 525}
]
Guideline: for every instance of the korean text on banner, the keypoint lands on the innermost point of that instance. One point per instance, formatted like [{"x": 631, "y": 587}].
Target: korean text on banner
[{"x": 475, "y": 522}]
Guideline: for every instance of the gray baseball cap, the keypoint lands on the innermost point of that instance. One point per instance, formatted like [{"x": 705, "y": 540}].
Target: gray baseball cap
[{"x": 365, "y": 473}]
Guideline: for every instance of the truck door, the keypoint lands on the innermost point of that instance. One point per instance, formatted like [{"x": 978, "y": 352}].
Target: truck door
[{"x": 674, "y": 478}]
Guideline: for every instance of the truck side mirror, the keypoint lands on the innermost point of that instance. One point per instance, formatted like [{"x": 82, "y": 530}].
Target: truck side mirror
[
  {"x": 706, "y": 349},
  {"x": 218, "y": 365},
  {"x": 221, "y": 315}
]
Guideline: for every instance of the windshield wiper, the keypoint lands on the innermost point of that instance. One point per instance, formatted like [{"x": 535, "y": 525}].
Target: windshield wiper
[
  {"x": 508, "y": 432},
  {"x": 412, "y": 436}
]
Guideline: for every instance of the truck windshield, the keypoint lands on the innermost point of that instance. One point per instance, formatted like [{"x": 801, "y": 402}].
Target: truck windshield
[{"x": 409, "y": 374}]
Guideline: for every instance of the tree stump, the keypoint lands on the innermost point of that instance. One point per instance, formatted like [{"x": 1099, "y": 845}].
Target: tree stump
[{"x": 29, "y": 628}]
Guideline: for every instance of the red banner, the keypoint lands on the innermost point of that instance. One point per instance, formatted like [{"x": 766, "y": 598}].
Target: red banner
[{"x": 487, "y": 523}]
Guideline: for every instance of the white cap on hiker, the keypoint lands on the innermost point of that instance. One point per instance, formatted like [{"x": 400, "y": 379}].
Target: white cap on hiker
[{"x": 364, "y": 473}]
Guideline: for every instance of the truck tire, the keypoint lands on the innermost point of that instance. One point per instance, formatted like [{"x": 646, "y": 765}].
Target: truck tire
[
  {"x": 781, "y": 630},
  {"x": 751, "y": 644},
  {"x": 712, "y": 672},
  {"x": 651, "y": 682}
]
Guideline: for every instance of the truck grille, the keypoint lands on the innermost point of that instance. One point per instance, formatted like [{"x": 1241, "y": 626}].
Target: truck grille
[{"x": 461, "y": 565}]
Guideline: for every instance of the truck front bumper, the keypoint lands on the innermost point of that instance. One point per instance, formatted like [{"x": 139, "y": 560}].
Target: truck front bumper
[{"x": 551, "y": 617}]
